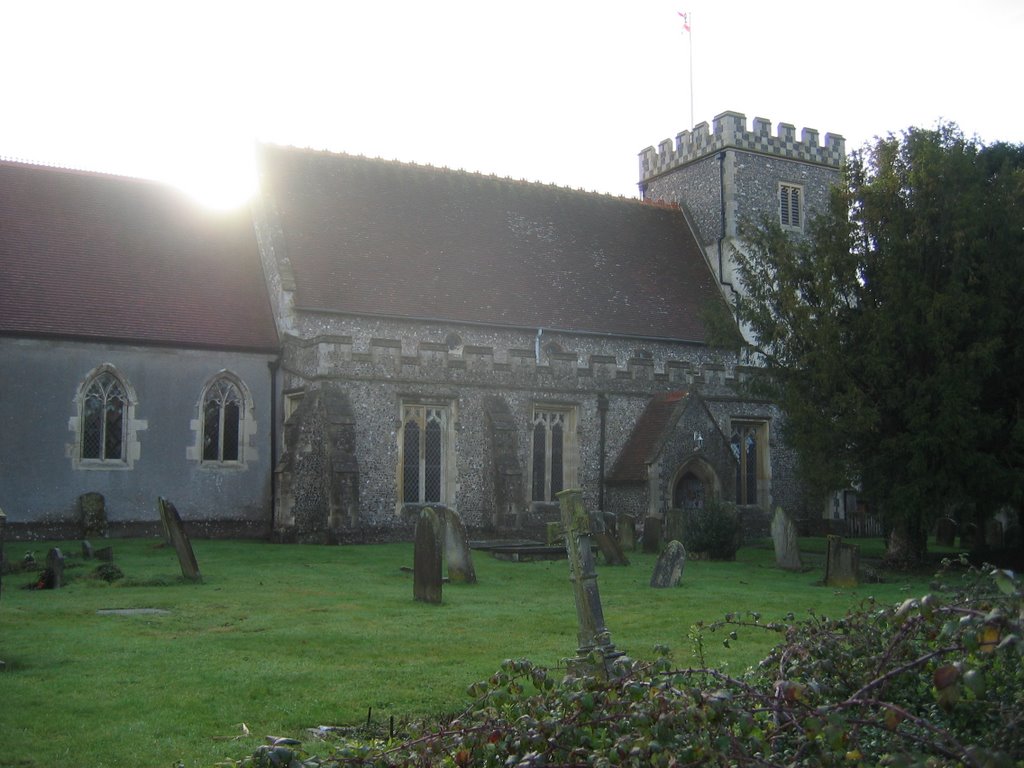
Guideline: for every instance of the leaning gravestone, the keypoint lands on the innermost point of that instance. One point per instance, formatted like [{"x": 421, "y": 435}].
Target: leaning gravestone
[
  {"x": 993, "y": 534},
  {"x": 652, "y": 536},
  {"x": 787, "y": 551},
  {"x": 842, "y": 563},
  {"x": 945, "y": 532},
  {"x": 94, "y": 515},
  {"x": 87, "y": 552},
  {"x": 607, "y": 542},
  {"x": 668, "y": 571},
  {"x": 182, "y": 545},
  {"x": 627, "y": 532},
  {"x": 55, "y": 569},
  {"x": 426, "y": 566},
  {"x": 456, "y": 549}
]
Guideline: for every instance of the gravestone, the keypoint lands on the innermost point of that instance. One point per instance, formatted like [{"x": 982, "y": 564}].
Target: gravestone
[
  {"x": 787, "y": 549},
  {"x": 945, "y": 532},
  {"x": 182, "y": 545},
  {"x": 606, "y": 542},
  {"x": 106, "y": 554},
  {"x": 968, "y": 536},
  {"x": 674, "y": 528},
  {"x": 93, "y": 515},
  {"x": 651, "y": 541},
  {"x": 993, "y": 534},
  {"x": 456, "y": 549},
  {"x": 426, "y": 565},
  {"x": 627, "y": 533},
  {"x": 87, "y": 553},
  {"x": 595, "y": 652},
  {"x": 668, "y": 571},
  {"x": 54, "y": 569},
  {"x": 842, "y": 563}
]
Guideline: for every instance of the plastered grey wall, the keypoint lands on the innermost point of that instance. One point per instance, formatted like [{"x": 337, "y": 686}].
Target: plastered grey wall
[{"x": 40, "y": 484}]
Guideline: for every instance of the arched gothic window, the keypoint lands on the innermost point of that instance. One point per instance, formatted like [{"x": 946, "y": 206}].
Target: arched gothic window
[
  {"x": 747, "y": 445},
  {"x": 104, "y": 419},
  {"x": 424, "y": 453},
  {"x": 223, "y": 408}
]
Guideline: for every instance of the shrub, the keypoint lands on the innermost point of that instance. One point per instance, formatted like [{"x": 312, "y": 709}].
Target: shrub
[
  {"x": 713, "y": 530},
  {"x": 936, "y": 681}
]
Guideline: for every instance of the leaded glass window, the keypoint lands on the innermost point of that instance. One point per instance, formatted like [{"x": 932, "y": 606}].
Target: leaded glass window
[
  {"x": 550, "y": 434},
  {"x": 104, "y": 419},
  {"x": 747, "y": 447},
  {"x": 424, "y": 445},
  {"x": 222, "y": 419}
]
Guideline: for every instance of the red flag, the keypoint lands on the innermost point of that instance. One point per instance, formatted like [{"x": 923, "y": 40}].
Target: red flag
[{"x": 686, "y": 20}]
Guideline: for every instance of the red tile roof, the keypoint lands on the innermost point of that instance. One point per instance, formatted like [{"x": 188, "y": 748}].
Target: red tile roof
[
  {"x": 648, "y": 435},
  {"x": 87, "y": 255},
  {"x": 374, "y": 237}
]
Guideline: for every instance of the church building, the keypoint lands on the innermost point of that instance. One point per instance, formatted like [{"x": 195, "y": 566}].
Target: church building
[{"x": 372, "y": 336}]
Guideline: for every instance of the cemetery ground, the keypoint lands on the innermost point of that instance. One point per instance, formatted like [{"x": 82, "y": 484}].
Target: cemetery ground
[{"x": 282, "y": 638}]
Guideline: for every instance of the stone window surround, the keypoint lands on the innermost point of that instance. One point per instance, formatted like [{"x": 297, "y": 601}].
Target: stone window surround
[
  {"x": 448, "y": 449},
  {"x": 132, "y": 446},
  {"x": 763, "y": 458},
  {"x": 247, "y": 451},
  {"x": 570, "y": 448},
  {"x": 785, "y": 192}
]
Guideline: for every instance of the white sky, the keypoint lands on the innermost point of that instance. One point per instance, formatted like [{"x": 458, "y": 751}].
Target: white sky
[{"x": 559, "y": 91}]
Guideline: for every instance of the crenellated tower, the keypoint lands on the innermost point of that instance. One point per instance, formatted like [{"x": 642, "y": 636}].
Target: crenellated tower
[{"x": 730, "y": 173}]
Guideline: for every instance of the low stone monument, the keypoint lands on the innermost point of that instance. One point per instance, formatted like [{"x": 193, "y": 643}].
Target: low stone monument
[
  {"x": 182, "y": 545},
  {"x": 457, "y": 554},
  {"x": 595, "y": 652},
  {"x": 994, "y": 534},
  {"x": 426, "y": 566},
  {"x": 668, "y": 571},
  {"x": 93, "y": 510},
  {"x": 674, "y": 527},
  {"x": 842, "y": 563},
  {"x": 945, "y": 532},
  {"x": 787, "y": 549},
  {"x": 607, "y": 542}
]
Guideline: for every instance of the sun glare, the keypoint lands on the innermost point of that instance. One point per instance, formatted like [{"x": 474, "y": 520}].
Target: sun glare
[{"x": 221, "y": 181}]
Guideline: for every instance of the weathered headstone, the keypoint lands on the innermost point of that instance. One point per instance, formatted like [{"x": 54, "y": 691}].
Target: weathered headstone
[
  {"x": 606, "y": 541},
  {"x": 426, "y": 565},
  {"x": 842, "y": 563},
  {"x": 787, "y": 550},
  {"x": 182, "y": 545},
  {"x": 651, "y": 541},
  {"x": 595, "y": 641},
  {"x": 668, "y": 571},
  {"x": 94, "y": 515},
  {"x": 456, "y": 549},
  {"x": 674, "y": 528},
  {"x": 55, "y": 569},
  {"x": 993, "y": 534},
  {"x": 968, "y": 536},
  {"x": 87, "y": 553},
  {"x": 627, "y": 533},
  {"x": 945, "y": 532},
  {"x": 106, "y": 554}
]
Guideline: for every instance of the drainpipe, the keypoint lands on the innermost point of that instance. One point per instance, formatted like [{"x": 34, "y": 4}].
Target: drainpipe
[
  {"x": 602, "y": 413},
  {"x": 536, "y": 344},
  {"x": 721, "y": 235}
]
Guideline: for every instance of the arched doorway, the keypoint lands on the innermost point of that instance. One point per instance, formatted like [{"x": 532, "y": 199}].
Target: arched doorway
[{"x": 695, "y": 484}]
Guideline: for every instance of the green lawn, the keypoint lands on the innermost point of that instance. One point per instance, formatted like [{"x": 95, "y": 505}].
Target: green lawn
[{"x": 284, "y": 637}]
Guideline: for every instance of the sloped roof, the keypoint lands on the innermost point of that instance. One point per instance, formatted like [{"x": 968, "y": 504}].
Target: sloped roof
[
  {"x": 647, "y": 437},
  {"x": 374, "y": 237},
  {"x": 87, "y": 255}
]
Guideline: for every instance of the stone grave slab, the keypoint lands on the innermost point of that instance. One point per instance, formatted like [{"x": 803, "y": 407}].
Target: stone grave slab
[
  {"x": 179, "y": 538},
  {"x": 668, "y": 571},
  {"x": 427, "y": 558},
  {"x": 787, "y": 548}
]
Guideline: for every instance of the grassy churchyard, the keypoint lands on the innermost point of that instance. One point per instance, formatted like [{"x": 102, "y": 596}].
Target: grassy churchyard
[{"x": 283, "y": 638}]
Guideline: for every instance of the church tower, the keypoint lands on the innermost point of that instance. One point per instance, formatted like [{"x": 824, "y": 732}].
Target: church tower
[{"x": 730, "y": 174}]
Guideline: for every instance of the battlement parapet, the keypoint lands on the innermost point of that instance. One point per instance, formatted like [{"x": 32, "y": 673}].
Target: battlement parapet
[
  {"x": 730, "y": 132},
  {"x": 334, "y": 356}
]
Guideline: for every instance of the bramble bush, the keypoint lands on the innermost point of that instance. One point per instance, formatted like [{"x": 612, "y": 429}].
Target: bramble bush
[{"x": 936, "y": 681}]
